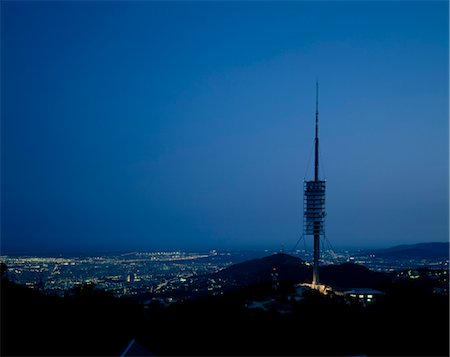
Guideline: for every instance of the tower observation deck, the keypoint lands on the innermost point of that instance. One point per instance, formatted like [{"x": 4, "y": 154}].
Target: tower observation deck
[{"x": 314, "y": 202}]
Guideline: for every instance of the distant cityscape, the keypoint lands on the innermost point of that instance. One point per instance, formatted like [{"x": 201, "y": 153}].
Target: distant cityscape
[{"x": 140, "y": 273}]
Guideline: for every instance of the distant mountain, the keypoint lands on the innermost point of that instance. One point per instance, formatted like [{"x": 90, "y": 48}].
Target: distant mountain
[
  {"x": 349, "y": 275},
  {"x": 416, "y": 251},
  {"x": 257, "y": 271}
]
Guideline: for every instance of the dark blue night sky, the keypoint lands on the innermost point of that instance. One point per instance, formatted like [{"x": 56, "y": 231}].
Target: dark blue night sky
[{"x": 178, "y": 125}]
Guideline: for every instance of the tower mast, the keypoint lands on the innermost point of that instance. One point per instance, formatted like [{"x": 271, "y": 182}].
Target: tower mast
[
  {"x": 316, "y": 151},
  {"x": 316, "y": 179},
  {"x": 314, "y": 202}
]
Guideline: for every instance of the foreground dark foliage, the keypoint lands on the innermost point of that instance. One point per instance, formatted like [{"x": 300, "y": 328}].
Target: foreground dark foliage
[
  {"x": 409, "y": 321},
  {"x": 90, "y": 322}
]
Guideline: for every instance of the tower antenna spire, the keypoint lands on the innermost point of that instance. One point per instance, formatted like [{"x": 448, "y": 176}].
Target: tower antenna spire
[
  {"x": 316, "y": 151},
  {"x": 314, "y": 202}
]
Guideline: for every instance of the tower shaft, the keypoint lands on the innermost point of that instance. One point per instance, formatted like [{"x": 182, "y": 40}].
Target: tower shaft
[
  {"x": 316, "y": 141},
  {"x": 316, "y": 179},
  {"x": 314, "y": 202}
]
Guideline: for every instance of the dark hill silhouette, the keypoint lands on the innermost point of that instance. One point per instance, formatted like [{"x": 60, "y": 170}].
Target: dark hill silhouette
[
  {"x": 94, "y": 323},
  {"x": 289, "y": 268},
  {"x": 257, "y": 271},
  {"x": 89, "y": 322},
  {"x": 349, "y": 275},
  {"x": 417, "y": 251},
  {"x": 222, "y": 325}
]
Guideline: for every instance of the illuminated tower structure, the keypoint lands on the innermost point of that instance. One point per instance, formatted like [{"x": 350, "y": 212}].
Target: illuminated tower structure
[{"x": 314, "y": 202}]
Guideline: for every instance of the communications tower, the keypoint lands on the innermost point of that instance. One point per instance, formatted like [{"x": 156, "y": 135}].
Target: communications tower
[{"x": 314, "y": 202}]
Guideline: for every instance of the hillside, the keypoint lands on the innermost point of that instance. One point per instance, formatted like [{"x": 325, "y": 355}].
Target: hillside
[
  {"x": 257, "y": 271},
  {"x": 289, "y": 268},
  {"x": 90, "y": 322},
  {"x": 349, "y": 275},
  {"x": 93, "y": 322},
  {"x": 434, "y": 250}
]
